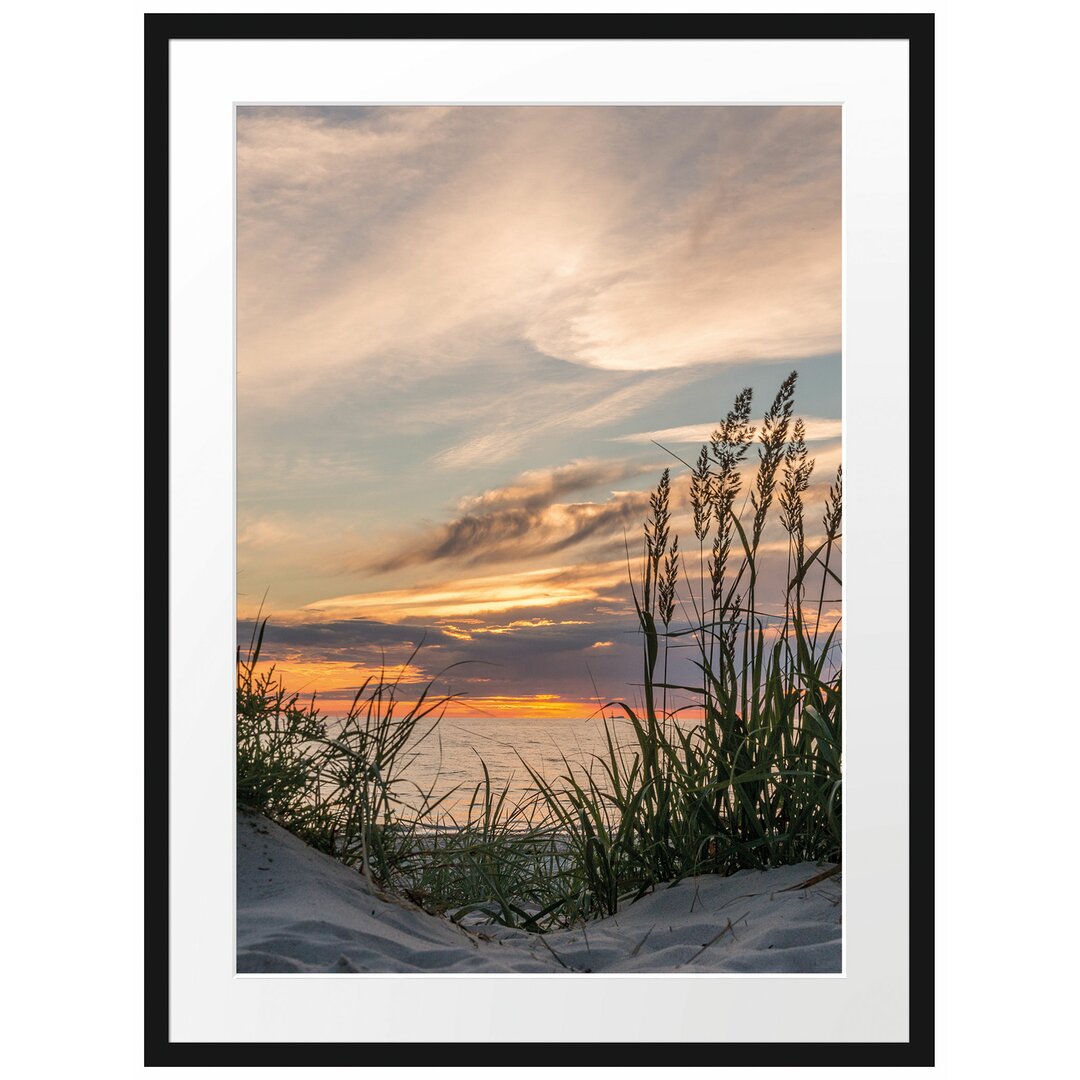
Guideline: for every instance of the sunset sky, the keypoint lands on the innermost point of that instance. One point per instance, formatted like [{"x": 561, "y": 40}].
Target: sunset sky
[{"x": 459, "y": 331}]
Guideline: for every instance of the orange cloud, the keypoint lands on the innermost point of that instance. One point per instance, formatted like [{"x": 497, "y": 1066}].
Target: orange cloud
[
  {"x": 300, "y": 676},
  {"x": 476, "y": 596},
  {"x": 471, "y": 627}
]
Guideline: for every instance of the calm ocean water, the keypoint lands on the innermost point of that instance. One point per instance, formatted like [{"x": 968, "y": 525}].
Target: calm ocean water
[{"x": 451, "y": 755}]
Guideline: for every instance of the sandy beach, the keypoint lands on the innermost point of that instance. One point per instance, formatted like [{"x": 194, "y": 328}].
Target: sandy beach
[{"x": 299, "y": 911}]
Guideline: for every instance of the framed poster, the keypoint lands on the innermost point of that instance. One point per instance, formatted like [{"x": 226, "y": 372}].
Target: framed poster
[{"x": 537, "y": 414}]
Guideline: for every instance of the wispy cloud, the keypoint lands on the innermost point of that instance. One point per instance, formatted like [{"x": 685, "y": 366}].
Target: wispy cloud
[
  {"x": 534, "y": 589},
  {"x": 524, "y": 519},
  {"x": 537, "y": 488},
  {"x": 470, "y": 629},
  {"x": 518, "y": 420},
  {"x": 817, "y": 429},
  {"x": 628, "y": 239}
]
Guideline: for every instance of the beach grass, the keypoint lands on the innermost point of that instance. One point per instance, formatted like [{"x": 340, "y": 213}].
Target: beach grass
[{"x": 755, "y": 782}]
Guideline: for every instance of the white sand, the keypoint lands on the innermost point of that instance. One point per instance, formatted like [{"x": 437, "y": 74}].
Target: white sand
[{"x": 300, "y": 911}]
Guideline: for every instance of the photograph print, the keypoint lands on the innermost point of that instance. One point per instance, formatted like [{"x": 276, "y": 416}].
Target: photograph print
[{"x": 539, "y": 525}]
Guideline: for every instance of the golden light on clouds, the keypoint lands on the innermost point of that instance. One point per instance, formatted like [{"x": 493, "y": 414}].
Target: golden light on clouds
[
  {"x": 303, "y": 676},
  {"x": 546, "y": 588},
  {"x": 469, "y": 629}
]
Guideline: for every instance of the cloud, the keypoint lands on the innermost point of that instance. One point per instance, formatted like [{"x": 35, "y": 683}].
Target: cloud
[
  {"x": 470, "y": 629},
  {"x": 817, "y": 429},
  {"x": 617, "y": 238},
  {"x": 341, "y": 680},
  {"x": 541, "y": 654},
  {"x": 525, "y": 417},
  {"x": 538, "y": 488},
  {"x": 328, "y": 639},
  {"x": 524, "y": 520},
  {"x": 532, "y": 589}
]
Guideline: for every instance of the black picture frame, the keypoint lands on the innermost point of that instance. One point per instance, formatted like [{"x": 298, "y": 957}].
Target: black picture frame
[{"x": 159, "y": 31}]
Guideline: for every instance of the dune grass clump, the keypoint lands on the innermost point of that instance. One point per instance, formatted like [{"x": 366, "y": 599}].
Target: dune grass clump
[
  {"x": 757, "y": 782},
  {"x": 340, "y": 785},
  {"x": 504, "y": 863},
  {"x": 753, "y": 780}
]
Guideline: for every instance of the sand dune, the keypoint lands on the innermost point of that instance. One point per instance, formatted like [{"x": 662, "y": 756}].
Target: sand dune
[{"x": 300, "y": 911}]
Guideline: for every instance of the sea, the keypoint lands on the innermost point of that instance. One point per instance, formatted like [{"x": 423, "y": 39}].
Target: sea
[{"x": 451, "y": 760}]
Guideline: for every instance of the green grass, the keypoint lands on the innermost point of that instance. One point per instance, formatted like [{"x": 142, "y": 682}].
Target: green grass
[{"x": 756, "y": 782}]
